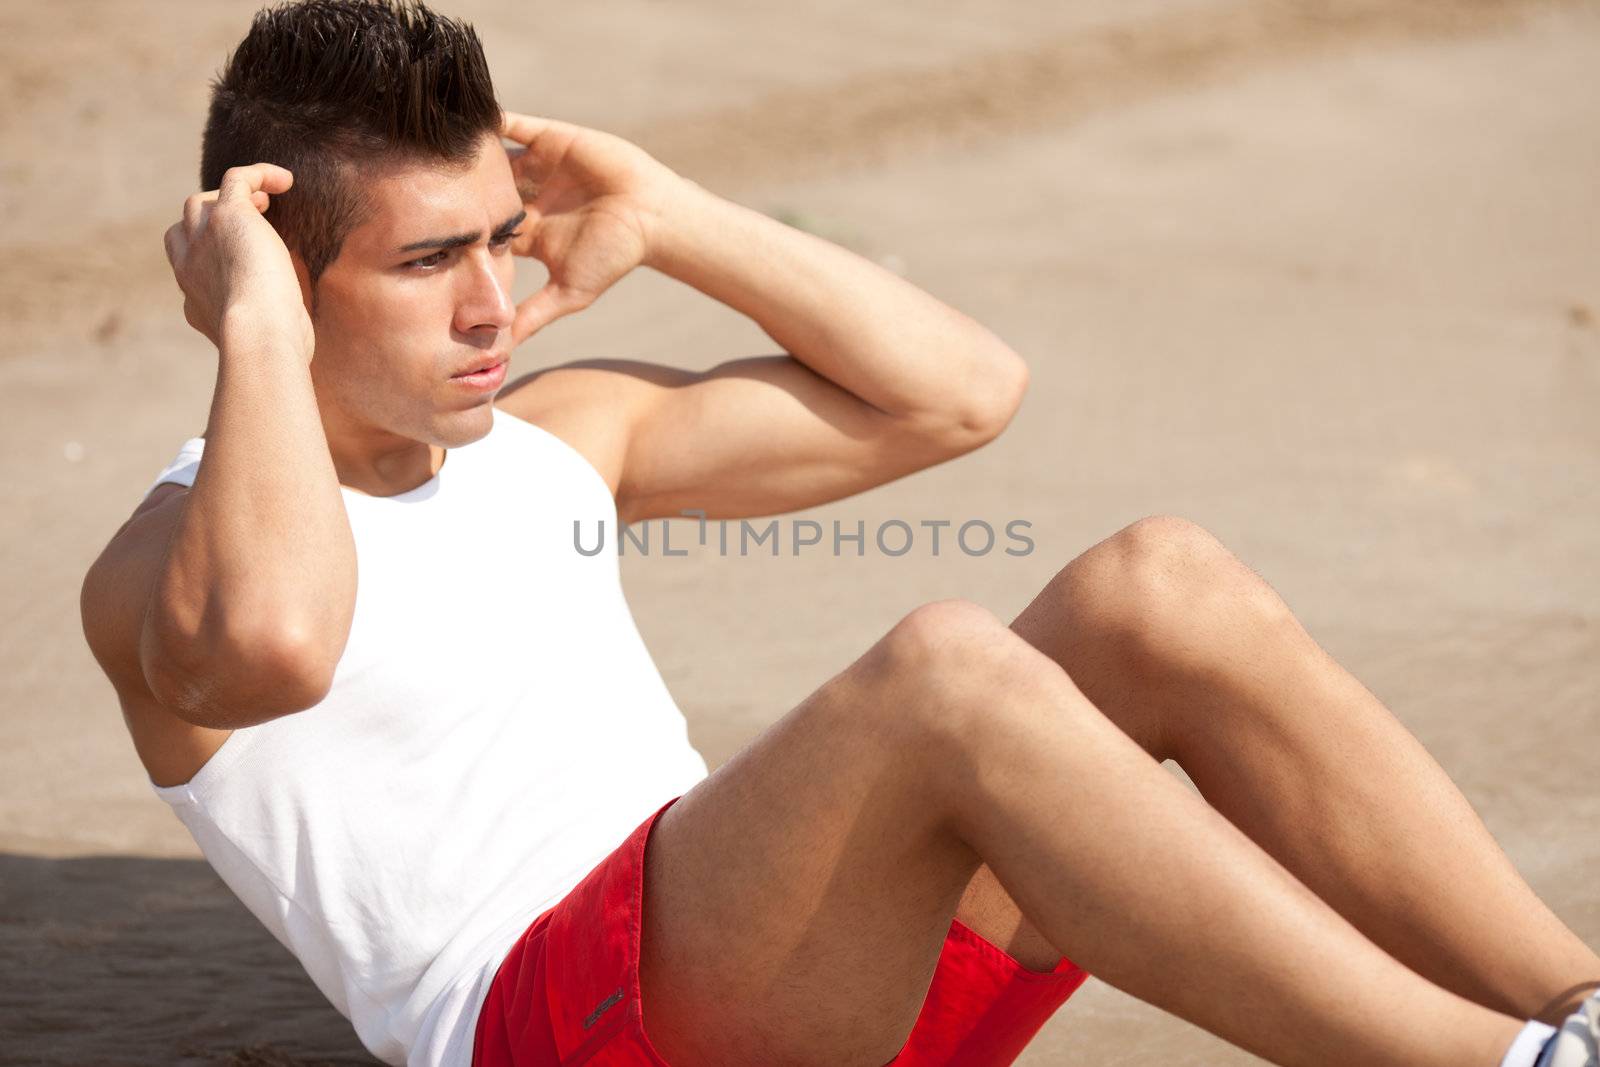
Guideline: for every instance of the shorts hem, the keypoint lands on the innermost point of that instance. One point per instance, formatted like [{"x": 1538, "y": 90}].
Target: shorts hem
[{"x": 1065, "y": 971}]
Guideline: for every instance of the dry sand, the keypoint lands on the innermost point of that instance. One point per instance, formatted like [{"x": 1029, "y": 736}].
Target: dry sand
[{"x": 1323, "y": 277}]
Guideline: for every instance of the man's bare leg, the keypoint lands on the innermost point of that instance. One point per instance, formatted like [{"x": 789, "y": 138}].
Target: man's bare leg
[
  {"x": 1197, "y": 659},
  {"x": 797, "y": 900}
]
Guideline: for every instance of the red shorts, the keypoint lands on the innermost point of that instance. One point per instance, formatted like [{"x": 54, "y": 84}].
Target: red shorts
[{"x": 568, "y": 991}]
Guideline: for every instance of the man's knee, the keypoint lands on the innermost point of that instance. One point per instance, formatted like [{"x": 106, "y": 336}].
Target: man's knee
[
  {"x": 1168, "y": 592},
  {"x": 950, "y": 662},
  {"x": 940, "y": 628},
  {"x": 945, "y": 639}
]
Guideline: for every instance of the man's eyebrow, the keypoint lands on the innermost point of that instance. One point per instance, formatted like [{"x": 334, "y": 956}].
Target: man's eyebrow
[{"x": 457, "y": 240}]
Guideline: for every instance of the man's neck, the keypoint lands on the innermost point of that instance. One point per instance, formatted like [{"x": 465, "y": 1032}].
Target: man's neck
[{"x": 389, "y": 472}]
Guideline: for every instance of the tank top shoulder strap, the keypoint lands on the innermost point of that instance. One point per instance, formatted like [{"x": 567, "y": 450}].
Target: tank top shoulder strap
[
  {"x": 183, "y": 467},
  {"x": 524, "y": 437}
]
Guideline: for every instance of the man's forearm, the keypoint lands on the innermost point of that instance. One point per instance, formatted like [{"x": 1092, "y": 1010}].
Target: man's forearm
[
  {"x": 258, "y": 586},
  {"x": 848, "y": 319}
]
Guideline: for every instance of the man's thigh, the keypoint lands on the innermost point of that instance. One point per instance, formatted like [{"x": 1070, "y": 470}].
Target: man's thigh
[
  {"x": 988, "y": 910},
  {"x": 796, "y": 901}
]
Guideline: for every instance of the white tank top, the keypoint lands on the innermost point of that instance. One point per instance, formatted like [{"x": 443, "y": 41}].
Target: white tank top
[{"x": 494, "y": 729}]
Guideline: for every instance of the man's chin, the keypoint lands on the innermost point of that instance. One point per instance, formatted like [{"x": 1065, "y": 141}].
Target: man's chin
[{"x": 455, "y": 429}]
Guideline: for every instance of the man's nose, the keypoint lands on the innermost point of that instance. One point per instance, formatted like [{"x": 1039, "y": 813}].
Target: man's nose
[{"x": 485, "y": 300}]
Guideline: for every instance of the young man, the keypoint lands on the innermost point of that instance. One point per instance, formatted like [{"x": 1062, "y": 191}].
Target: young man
[{"x": 436, "y": 784}]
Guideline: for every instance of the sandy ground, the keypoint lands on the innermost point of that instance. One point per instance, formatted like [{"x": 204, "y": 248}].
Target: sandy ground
[{"x": 1324, "y": 278}]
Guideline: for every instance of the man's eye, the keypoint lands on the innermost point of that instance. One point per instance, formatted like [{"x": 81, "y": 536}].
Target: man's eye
[
  {"x": 503, "y": 239},
  {"x": 427, "y": 261}
]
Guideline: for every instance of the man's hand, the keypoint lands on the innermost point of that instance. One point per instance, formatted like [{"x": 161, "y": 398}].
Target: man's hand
[
  {"x": 231, "y": 264},
  {"x": 593, "y": 200},
  {"x": 877, "y": 378}
]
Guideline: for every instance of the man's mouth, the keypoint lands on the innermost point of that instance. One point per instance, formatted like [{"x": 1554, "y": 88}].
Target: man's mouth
[
  {"x": 484, "y": 377},
  {"x": 481, "y": 368}
]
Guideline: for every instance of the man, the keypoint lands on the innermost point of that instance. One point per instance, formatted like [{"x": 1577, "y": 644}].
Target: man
[{"x": 451, "y": 787}]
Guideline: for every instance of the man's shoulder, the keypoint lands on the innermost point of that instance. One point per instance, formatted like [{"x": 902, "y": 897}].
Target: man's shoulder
[{"x": 585, "y": 405}]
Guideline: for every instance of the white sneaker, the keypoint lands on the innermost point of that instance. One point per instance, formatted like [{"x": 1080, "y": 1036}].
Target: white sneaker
[{"x": 1577, "y": 1043}]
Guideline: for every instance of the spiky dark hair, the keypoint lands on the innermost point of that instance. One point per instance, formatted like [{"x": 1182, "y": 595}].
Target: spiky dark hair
[{"x": 323, "y": 87}]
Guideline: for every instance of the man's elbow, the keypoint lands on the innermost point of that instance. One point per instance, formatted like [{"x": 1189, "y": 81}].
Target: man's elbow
[
  {"x": 984, "y": 408},
  {"x": 251, "y": 682}
]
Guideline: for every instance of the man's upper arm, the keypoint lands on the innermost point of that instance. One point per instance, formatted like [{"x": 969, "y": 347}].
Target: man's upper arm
[
  {"x": 236, "y": 686},
  {"x": 116, "y": 590},
  {"x": 756, "y": 436}
]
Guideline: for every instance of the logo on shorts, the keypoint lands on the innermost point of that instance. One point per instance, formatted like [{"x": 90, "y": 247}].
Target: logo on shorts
[{"x": 594, "y": 1016}]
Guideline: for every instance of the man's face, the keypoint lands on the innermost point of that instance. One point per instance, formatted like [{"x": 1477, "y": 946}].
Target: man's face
[{"x": 420, "y": 293}]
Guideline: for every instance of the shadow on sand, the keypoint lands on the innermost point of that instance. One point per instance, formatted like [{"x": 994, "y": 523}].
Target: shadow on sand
[{"x": 118, "y": 960}]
